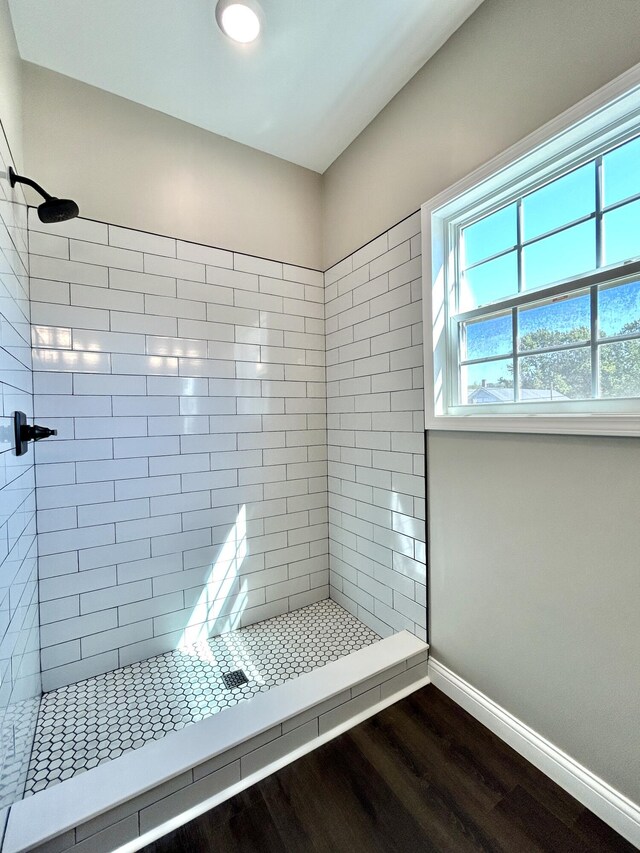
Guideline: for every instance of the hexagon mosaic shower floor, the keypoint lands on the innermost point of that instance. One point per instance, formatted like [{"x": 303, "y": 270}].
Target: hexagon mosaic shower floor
[{"x": 85, "y": 724}]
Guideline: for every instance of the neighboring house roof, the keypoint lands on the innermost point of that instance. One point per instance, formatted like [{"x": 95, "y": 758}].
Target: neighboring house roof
[{"x": 505, "y": 395}]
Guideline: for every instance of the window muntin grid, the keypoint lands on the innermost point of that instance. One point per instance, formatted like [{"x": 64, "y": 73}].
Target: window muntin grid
[{"x": 510, "y": 290}]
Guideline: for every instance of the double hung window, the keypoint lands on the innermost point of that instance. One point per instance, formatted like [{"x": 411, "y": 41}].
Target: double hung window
[{"x": 532, "y": 317}]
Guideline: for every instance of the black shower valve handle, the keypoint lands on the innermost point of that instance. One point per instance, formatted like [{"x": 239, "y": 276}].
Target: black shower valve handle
[
  {"x": 25, "y": 432},
  {"x": 34, "y": 432}
]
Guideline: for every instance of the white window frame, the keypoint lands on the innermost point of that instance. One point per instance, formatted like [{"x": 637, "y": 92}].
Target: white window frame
[{"x": 607, "y": 118}]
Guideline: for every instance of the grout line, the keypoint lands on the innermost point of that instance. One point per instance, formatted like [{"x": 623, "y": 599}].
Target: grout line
[
  {"x": 181, "y": 240},
  {"x": 223, "y": 249},
  {"x": 373, "y": 239}
]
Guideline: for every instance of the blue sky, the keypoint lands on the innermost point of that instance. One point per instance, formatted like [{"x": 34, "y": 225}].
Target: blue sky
[
  {"x": 566, "y": 254},
  {"x": 562, "y": 255}
]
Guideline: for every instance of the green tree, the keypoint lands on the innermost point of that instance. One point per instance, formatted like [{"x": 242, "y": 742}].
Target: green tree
[
  {"x": 620, "y": 365},
  {"x": 568, "y": 372}
]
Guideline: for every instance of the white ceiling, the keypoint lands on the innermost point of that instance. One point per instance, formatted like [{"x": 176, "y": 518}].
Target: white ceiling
[{"x": 319, "y": 73}]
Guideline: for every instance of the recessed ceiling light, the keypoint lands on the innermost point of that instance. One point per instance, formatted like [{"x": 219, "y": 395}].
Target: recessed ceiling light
[{"x": 239, "y": 20}]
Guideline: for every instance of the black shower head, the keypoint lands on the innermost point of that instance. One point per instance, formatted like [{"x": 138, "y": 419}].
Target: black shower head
[
  {"x": 52, "y": 209},
  {"x": 57, "y": 210}
]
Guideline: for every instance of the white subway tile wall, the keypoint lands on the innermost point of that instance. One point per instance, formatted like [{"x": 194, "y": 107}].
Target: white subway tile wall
[
  {"x": 186, "y": 491},
  {"x": 19, "y": 643},
  {"x": 376, "y": 432}
]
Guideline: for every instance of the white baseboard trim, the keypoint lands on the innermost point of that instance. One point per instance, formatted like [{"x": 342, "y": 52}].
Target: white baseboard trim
[
  {"x": 212, "y": 802},
  {"x": 610, "y": 805}
]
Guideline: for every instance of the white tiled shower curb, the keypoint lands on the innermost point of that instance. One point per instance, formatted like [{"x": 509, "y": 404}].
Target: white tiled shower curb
[
  {"x": 125, "y": 802},
  {"x": 269, "y": 769}
]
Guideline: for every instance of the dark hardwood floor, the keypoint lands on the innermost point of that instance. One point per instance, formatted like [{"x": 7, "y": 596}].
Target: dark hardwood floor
[{"x": 423, "y": 775}]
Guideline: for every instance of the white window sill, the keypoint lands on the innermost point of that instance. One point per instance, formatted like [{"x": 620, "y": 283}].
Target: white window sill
[{"x": 614, "y": 425}]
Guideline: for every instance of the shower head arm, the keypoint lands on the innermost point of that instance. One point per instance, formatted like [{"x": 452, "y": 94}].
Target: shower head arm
[
  {"x": 52, "y": 209},
  {"x": 14, "y": 179}
]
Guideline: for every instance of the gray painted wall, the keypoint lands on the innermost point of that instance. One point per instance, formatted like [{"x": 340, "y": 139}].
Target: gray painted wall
[
  {"x": 512, "y": 66},
  {"x": 534, "y": 539},
  {"x": 535, "y": 585},
  {"x": 10, "y": 84},
  {"x": 126, "y": 163}
]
